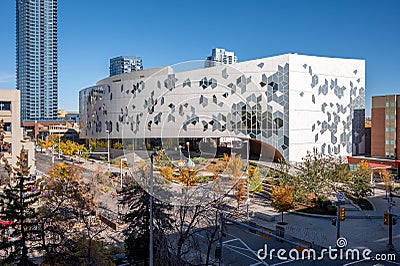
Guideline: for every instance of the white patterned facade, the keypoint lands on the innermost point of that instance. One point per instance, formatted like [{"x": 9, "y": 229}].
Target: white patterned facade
[{"x": 293, "y": 103}]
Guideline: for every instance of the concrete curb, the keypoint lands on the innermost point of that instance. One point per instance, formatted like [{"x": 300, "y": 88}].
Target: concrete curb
[
  {"x": 365, "y": 216},
  {"x": 313, "y": 215}
]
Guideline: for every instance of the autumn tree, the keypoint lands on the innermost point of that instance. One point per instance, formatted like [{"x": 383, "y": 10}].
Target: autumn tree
[
  {"x": 167, "y": 172},
  {"x": 187, "y": 177},
  {"x": 255, "y": 180},
  {"x": 283, "y": 198},
  {"x": 314, "y": 173},
  {"x": 387, "y": 180},
  {"x": 20, "y": 207},
  {"x": 360, "y": 182},
  {"x": 68, "y": 202},
  {"x": 235, "y": 170},
  {"x": 319, "y": 174}
]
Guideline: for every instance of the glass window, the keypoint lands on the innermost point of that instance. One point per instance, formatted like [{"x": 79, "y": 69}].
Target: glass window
[
  {"x": 387, "y": 117},
  {"x": 5, "y": 106},
  {"x": 7, "y": 127},
  {"x": 387, "y": 129},
  {"x": 392, "y": 104},
  {"x": 387, "y": 104},
  {"x": 387, "y": 142}
]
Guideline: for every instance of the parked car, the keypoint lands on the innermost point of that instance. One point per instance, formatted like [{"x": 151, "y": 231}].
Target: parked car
[{"x": 114, "y": 175}]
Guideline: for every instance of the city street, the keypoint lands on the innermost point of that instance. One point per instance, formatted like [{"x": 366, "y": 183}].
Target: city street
[
  {"x": 107, "y": 201},
  {"x": 241, "y": 247}
]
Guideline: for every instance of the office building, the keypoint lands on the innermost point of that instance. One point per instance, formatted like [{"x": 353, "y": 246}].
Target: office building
[
  {"x": 220, "y": 56},
  {"x": 125, "y": 64},
  {"x": 14, "y": 134},
  {"x": 385, "y": 131},
  {"x": 37, "y": 58},
  {"x": 279, "y": 107},
  {"x": 67, "y": 129}
]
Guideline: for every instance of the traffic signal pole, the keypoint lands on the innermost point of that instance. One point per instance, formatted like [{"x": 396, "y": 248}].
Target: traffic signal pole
[
  {"x": 338, "y": 222},
  {"x": 390, "y": 244},
  {"x": 390, "y": 203}
]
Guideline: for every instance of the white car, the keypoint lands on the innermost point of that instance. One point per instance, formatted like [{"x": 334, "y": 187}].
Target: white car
[{"x": 14, "y": 238}]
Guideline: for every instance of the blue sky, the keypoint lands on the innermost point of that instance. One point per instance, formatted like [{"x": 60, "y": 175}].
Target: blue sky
[{"x": 169, "y": 32}]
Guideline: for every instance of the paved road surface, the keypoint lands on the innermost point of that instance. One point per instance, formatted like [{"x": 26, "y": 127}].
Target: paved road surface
[{"x": 241, "y": 248}]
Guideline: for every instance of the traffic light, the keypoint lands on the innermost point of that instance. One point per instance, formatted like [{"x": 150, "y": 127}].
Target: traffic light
[
  {"x": 394, "y": 221},
  {"x": 342, "y": 214},
  {"x": 385, "y": 218},
  {"x": 333, "y": 222}
]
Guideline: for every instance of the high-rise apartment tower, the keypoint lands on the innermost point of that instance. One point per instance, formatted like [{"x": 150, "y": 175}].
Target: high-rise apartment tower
[
  {"x": 37, "y": 71},
  {"x": 220, "y": 56},
  {"x": 125, "y": 64}
]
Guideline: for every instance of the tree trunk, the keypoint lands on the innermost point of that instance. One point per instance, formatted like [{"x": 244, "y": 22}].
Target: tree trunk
[
  {"x": 209, "y": 246},
  {"x": 89, "y": 251}
]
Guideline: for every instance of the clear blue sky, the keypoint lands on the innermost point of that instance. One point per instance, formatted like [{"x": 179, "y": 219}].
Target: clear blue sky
[{"x": 169, "y": 32}]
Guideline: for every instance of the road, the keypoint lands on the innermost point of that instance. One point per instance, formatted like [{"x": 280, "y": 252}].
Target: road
[
  {"x": 106, "y": 200},
  {"x": 241, "y": 248}
]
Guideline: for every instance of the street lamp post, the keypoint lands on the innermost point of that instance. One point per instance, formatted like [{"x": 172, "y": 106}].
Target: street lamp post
[
  {"x": 108, "y": 149},
  {"x": 248, "y": 197},
  {"x": 390, "y": 203},
  {"x": 122, "y": 160},
  {"x": 248, "y": 180}
]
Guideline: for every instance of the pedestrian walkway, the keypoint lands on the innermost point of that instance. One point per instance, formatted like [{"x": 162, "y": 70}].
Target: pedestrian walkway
[{"x": 362, "y": 229}]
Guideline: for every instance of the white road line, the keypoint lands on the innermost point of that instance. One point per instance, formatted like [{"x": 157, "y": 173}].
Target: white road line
[
  {"x": 255, "y": 264},
  {"x": 227, "y": 241},
  {"x": 236, "y": 247},
  {"x": 354, "y": 262},
  {"x": 244, "y": 254}
]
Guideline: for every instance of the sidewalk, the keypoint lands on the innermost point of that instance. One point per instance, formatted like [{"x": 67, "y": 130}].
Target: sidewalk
[{"x": 359, "y": 230}]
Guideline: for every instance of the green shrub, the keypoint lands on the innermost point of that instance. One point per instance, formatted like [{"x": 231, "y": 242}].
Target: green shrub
[
  {"x": 265, "y": 172},
  {"x": 253, "y": 164},
  {"x": 331, "y": 209},
  {"x": 323, "y": 201},
  {"x": 198, "y": 160}
]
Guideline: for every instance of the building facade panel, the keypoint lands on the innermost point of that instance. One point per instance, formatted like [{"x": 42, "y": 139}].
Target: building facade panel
[
  {"x": 265, "y": 100},
  {"x": 385, "y": 126},
  {"x": 14, "y": 131},
  {"x": 327, "y": 105}
]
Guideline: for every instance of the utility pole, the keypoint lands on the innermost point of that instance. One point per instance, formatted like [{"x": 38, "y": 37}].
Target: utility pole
[
  {"x": 108, "y": 149},
  {"x": 338, "y": 222},
  {"x": 390, "y": 204},
  {"x": 221, "y": 227},
  {"x": 340, "y": 201}
]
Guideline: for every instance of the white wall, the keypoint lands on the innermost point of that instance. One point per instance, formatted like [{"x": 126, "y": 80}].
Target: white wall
[{"x": 304, "y": 114}]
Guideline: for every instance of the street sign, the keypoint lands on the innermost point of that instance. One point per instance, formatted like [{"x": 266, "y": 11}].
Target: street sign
[{"x": 340, "y": 196}]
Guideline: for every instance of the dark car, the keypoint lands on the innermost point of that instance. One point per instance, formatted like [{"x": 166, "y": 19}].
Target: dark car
[{"x": 114, "y": 175}]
